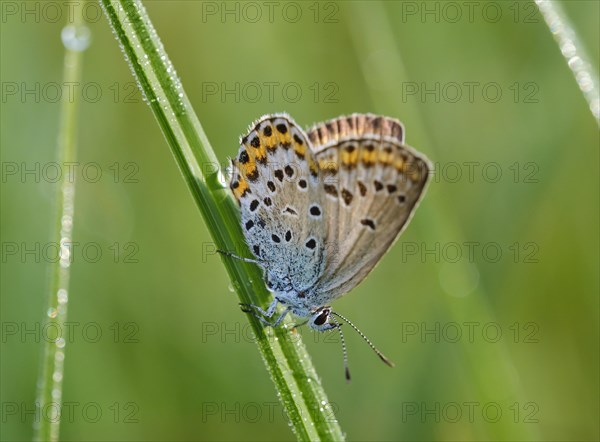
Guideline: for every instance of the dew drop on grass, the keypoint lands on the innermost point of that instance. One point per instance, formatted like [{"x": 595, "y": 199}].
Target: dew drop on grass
[
  {"x": 76, "y": 38},
  {"x": 56, "y": 394},
  {"x": 63, "y": 296},
  {"x": 66, "y": 223}
]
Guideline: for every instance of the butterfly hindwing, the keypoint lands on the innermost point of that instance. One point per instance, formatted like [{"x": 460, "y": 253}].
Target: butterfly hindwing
[{"x": 372, "y": 183}]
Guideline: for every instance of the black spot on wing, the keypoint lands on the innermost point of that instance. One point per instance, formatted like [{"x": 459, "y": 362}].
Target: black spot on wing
[
  {"x": 244, "y": 157},
  {"x": 362, "y": 188},
  {"x": 315, "y": 210},
  {"x": 330, "y": 189},
  {"x": 347, "y": 196},
  {"x": 368, "y": 222}
]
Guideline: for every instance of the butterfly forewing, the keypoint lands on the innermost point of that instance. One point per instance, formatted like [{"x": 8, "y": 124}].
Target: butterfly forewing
[
  {"x": 276, "y": 181},
  {"x": 371, "y": 184}
]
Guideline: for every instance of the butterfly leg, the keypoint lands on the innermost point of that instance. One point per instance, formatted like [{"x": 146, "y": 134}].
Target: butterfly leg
[
  {"x": 251, "y": 308},
  {"x": 262, "y": 315},
  {"x": 240, "y": 258},
  {"x": 261, "y": 318},
  {"x": 301, "y": 324},
  {"x": 278, "y": 321}
]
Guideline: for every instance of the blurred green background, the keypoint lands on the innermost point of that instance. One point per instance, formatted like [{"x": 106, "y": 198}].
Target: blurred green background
[{"x": 488, "y": 304}]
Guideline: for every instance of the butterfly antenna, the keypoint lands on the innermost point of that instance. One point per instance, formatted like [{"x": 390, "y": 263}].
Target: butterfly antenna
[
  {"x": 381, "y": 355},
  {"x": 344, "y": 350}
]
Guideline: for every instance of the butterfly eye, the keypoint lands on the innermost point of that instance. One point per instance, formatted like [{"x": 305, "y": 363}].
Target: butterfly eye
[{"x": 322, "y": 318}]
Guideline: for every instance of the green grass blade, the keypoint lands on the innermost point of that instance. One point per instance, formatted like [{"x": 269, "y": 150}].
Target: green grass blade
[
  {"x": 286, "y": 358},
  {"x": 573, "y": 53},
  {"x": 75, "y": 37}
]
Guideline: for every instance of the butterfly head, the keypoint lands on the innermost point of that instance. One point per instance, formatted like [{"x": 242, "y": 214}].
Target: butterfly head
[{"x": 319, "y": 319}]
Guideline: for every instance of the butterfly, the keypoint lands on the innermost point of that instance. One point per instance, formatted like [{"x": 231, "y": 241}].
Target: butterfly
[{"x": 319, "y": 209}]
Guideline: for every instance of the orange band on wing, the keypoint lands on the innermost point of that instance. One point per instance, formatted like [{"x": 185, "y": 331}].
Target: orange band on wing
[
  {"x": 240, "y": 188},
  {"x": 349, "y": 159}
]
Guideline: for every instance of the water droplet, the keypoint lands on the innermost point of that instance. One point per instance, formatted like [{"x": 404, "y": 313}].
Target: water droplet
[
  {"x": 56, "y": 394},
  {"x": 76, "y": 38},
  {"x": 63, "y": 296},
  {"x": 66, "y": 223},
  {"x": 65, "y": 251},
  {"x": 52, "y": 312}
]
